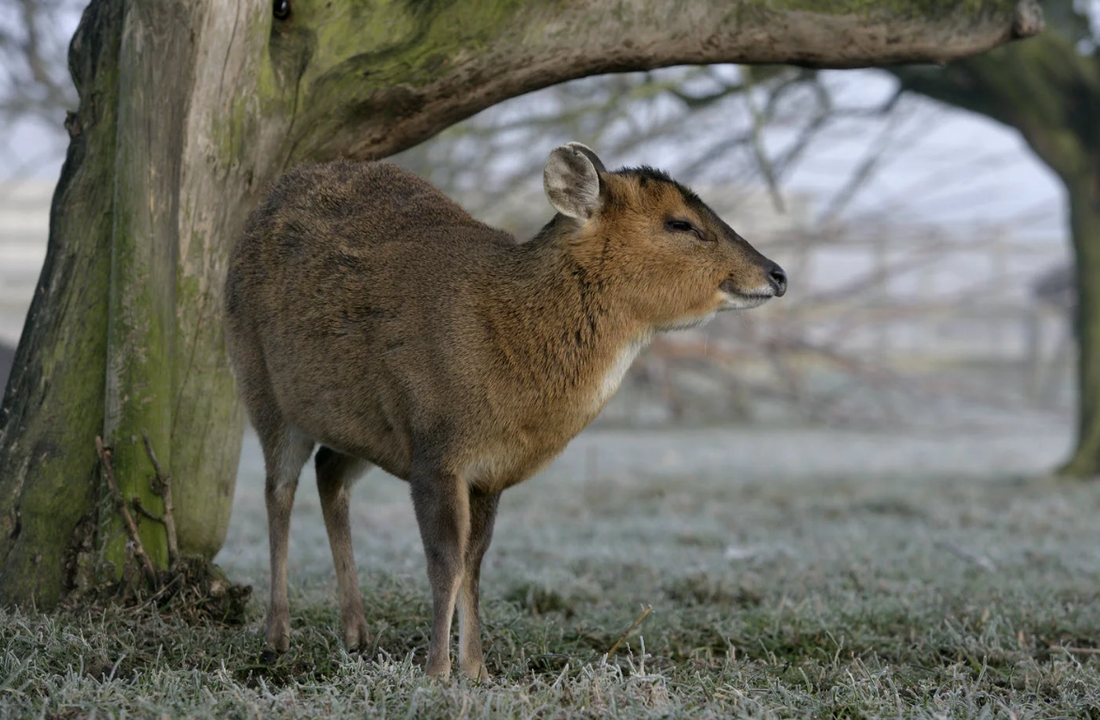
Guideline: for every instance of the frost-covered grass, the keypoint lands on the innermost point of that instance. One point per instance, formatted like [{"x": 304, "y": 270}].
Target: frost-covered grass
[{"x": 820, "y": 575}]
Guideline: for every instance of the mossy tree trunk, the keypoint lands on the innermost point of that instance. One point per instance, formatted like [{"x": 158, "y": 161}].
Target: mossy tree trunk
[
  {"x": 1049, "y": 90},
  {"x": 189, "y": 108}
]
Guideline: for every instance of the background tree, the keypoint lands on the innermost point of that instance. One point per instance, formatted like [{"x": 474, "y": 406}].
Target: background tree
[
  {"x": 188, "y": 109},
  {"x": 1048, "y": 88},
  {"x": 33, "y": 73}
]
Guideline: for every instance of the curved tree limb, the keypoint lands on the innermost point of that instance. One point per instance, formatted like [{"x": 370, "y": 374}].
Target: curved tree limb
[{"x": 449, "y": 60}]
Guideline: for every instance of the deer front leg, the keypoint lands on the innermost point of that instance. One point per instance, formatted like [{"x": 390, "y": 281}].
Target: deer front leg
[
  {"x": 441, "y": 502},
  {"x": 483, "y": 512}
]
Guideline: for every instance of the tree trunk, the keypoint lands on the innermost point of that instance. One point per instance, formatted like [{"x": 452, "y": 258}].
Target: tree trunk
[
  {"x": 154, "y": 67},
  {"x": 1084, "y": 201},
  {"x": 189, "y": 108},
  {"x": 53, "y": 406}
]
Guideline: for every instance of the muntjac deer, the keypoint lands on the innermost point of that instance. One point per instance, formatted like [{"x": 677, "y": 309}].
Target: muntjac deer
[{"x": 369, "y": 314}]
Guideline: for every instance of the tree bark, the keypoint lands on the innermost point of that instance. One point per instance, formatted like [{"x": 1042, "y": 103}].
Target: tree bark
[
  {"x": 154, "y": 71},
  {"x": 53, "y": 407},
  {"x": 1084, "y": 201},
  {"x": 189, "y": 109}
]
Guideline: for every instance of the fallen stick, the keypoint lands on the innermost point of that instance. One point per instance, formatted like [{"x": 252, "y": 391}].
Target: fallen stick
[
  {"x": 647, "y": 611},
  {"x": 140, "y": 509},
  {"x": 1075, "y": 651},
  {"x": 163, "y": 487},
  {"x": 120, "y": 502}
]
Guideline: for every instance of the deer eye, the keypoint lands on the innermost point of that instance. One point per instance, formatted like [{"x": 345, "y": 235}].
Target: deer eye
[
  {"x": 281, "y": 9},
  {"x": 683, "y": 226}
]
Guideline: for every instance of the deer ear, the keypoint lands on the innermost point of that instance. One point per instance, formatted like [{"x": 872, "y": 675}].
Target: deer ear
[
  {"x": 590, "y": 154},
  {"x": 572, "y": 181}
]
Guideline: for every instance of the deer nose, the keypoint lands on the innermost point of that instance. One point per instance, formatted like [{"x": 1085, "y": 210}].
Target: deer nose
[{"x": 778, "y": 279}]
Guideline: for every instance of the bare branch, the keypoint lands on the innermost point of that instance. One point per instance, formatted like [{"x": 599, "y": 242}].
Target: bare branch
[
  {"x": 128, "y": 519},
  {"x": 162, "y": 485}
]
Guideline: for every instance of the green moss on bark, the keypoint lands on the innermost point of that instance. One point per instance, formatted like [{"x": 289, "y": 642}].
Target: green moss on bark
[
  {"x": 53, "y": 408},
  {"x": 207, "y": 421},
  {"x": 155, "y": 60}
]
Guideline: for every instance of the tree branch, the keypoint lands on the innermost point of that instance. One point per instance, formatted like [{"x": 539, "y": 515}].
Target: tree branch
[
  {"x": 1044, "y": 88},
  {"x": 351, "y": 101}
]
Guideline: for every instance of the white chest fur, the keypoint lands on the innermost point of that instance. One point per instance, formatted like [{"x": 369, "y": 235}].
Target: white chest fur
[{"x": 613, "y": 376}]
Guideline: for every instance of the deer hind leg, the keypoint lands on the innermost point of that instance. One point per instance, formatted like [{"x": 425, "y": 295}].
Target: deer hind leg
[
  {"x": 483, "y": 512},
  {"x": 285, "y": 452},
  {"x": 336, "y": 472},
  {"x": 441, "y": 502}
]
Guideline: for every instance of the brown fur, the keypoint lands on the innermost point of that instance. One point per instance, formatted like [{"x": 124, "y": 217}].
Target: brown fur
[{"x": 368, "y": 313}]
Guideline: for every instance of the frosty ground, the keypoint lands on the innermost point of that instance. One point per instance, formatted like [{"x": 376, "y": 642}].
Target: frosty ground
[{"x": 935, "y": 572}]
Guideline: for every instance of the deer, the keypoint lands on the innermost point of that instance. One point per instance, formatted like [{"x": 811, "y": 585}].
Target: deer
[{"x": 370, "y": 315}]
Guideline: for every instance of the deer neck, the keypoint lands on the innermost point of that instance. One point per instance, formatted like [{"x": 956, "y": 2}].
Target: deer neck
[{"x": 565, "y": 321}]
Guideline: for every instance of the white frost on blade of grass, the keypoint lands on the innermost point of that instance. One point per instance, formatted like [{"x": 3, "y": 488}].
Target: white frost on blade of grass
[{"x": 791, "y": 573}]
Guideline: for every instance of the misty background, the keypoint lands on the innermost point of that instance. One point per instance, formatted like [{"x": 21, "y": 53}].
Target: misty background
[{"x": 926, "y": 246}]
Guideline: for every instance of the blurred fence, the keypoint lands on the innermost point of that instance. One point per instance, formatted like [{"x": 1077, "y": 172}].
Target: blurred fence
[
  {"x": 875, "y": 309},
  {"x": 24, "y": 225}
]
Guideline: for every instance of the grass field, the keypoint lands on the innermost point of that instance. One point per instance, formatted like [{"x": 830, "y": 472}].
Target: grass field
[{"x": 790, "y": 574}]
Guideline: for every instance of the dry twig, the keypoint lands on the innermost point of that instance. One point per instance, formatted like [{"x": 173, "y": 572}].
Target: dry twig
[
  {"x": 140, "y": 509},
  {"x": 120, "y": 502},
  {"x": 162, "y": 485},
  {"x": 648, "y": 609}
]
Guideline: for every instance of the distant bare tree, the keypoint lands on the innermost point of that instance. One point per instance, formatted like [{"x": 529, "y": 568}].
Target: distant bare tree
[
  {"x": 35, "y": 86},
  {"x": 1048, "y": 89}
]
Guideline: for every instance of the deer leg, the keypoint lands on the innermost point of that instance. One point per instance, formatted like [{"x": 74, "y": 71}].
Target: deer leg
[
  {"x": 335, "y": 474},
  {"x": 441, "y": 502},
  {"x": 483, "y": 512},
  {"x": 284, "y": 455}
]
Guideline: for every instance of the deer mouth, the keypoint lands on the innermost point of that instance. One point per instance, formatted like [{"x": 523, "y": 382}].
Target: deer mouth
[{"x": 734, "y": 298}]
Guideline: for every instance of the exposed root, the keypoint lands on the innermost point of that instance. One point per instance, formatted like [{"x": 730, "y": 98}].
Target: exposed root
[
  {"x": 162, "y": 485},
  {"x": 120, "y": 503},
  {"x": 196, "y": 590},
  {"x": 192, "y": 587}
]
